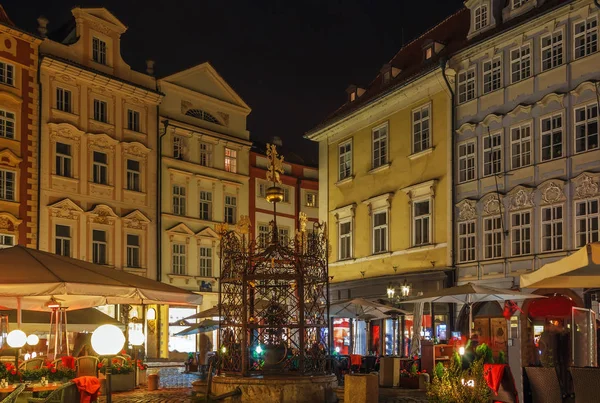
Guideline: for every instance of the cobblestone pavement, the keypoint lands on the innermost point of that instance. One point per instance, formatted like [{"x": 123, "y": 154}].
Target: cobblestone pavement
[{"x": 179, "y": 395}]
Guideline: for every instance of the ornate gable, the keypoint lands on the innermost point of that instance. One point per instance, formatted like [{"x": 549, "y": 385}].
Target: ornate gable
[
  {"x": 101, "y": 142},
  {"x": 586, "y": 185},
  {"x": 135, "y": 149},
  {"x": 492, "y": 203},
  {"x": 9, "y": 159},
  {"x": 9, "y": 223},
  {"x": 552, "y": 191},
  {"x": 467, "y": 210},
  {"x": 66, "y": 208},
  {"x": 136, "y": 220},
  {"x": 102, "y": 214},
  {"x": 520, "y": 198},
  {"x": 180, "y": 229}
]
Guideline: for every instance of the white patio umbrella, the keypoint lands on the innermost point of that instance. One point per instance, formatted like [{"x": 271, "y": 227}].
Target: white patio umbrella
[
  {"x": 415, "y": 345},
  {"x": 578, "y": 270},
  {"x": 214, "y": 311},
  {"x": 207, "y": 325},
  {"x": 358, "y": 308},
  {"x": 469, "y": 294}
]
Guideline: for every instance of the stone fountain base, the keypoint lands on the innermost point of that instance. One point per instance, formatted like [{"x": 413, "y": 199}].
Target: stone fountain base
[{"x": 273, "y": 388}]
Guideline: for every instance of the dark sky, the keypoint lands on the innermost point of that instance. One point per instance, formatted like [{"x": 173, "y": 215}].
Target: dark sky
[{"x": 289, "y": 60}]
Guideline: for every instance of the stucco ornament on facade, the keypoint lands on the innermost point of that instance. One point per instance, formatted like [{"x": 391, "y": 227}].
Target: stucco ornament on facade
[
  {"x": 521, "y": 198},
  {"x": 467, "y": 210},
  {"x": 552, "y": 192},
  {"x": 586, "y": 185},
  {"x": 101, "y": 141},
  {"x": 8, "y": 44},
  {"x": 103, "y": 214},
  {"x": 136, "y": 149},
  {"x": 136, "y": 220},
  {"x": 492, "y": 203},
  {"x": 66, "y": 209},
  {"x": 65, "y": 131}
]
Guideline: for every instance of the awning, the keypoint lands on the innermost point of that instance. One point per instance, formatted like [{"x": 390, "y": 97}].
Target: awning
[{"x": 82, "y": 320}]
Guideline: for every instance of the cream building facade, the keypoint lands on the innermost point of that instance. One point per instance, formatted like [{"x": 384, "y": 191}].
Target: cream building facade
[
  {"x": 98, "y": 164},
  {"x": 204, "y": 182}
]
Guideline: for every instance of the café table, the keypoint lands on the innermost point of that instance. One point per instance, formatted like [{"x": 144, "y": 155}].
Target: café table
[{"x": 30, "y": 389}]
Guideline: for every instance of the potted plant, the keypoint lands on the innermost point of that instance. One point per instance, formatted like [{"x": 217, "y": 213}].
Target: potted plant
[
  {"x": 122, "y": 376},
  {"x": 453, "y": 384},
  {"x": 410, "y": 379},
  {"x": 141, "y": 368}
]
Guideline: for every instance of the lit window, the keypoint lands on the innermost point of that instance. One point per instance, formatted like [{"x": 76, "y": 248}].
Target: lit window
[
  {"x": 264, "y": 232},
  {"x": 98, "y": 51},
  {"x": 466, "y": 241},
  {"x": 179, "y": 200},
  {"x": 552, "y": 50},
  {"x": 520, "y": 146},
  {"x": 63, "y": 100},
  {"x": 100, "y": 168},
  {"x": 421, "y": 223},
  {"x": 586, "y": 37},
  {"x": 586, "y": 128},
  {"x": 481, "y": 17},
  {"x": 133, "y": 175},
  {"x": 311, "y": 199},
  {"x": 230, "y": 160},
  {"x": 7, "y": 73},
  {"x": 492, "y": 75},
  {"x": 205, "y": 205},
  {"x": 587, "y": 219},
  {"x": 6, "y": 241},
  {"x": 466, "y": 161},
  {"x": 179, "y": 259},
  {"x": 206, "y": 262},
  {"x": 520, "y": 63},
  {"x": 552, "y": 228},
  {"x": 492, "y": 154},
  {"x": 133, "y": 120},
  {"x": 230, "y": 209},
  {"x": 7, "y": 185},
  {"x": 428, "y": 52},
  {"x": 63, "y": 159},
  {"x": 178, "y": 147},
  {"x": 133, "y": 250},
  {"x": 421, "y": 124},
  {"x": 100, "y": 111},
  {"x": 345, "y": 158},
  {"x": 492, "y": 237},
  {"x": 205, "y": 155},
  {"x": 380, "y": 231},
  {"x": 380, "y": 146},
  {"x": 62, "y": 240},
  {"x": 552, "y": 137},
  {"x": 520, "y": 226},
  {"x": 466, "y": 85},
  {"x": 99, "y": 247},
  {"x": 345, "y": 228}
]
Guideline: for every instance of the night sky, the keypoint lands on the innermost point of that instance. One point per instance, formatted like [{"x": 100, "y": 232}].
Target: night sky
[{"x": 291, "y": 61}]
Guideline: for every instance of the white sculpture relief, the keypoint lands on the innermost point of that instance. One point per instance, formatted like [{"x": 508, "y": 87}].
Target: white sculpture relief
[
  {"x": 586, "y": 186},
  {"x": 467, "y": 210}
]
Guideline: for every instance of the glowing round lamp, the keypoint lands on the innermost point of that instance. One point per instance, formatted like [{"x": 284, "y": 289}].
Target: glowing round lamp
[
  {"x": 33, "y": 340},
  {"x": 223, "y": 349},
  {"x": 136, "y": 338},
  {"x": 16, "y": 339},
  {"x": 108, "y": 340}
]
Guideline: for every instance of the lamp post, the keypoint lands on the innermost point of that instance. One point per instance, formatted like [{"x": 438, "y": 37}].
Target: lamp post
[
  {"x": 136, "y": 338},
  {"x": 108, "y": 340},
  {"x": 16, "y": 339}
]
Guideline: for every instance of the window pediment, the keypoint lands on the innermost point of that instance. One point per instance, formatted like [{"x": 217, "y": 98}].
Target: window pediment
[
  {"x": 586, "y": 185},
  {"x": 180, "y": 229},
  {"x": 467, "y": 210},
  {"x": 65, "y": 131},
  {"x": 8, "y": 222},
  {"x": 136, "y": 149},
  {"x": 521, "y": 197},
  {"x": 492, "y": 203},
  {"x": 136, "y": 220},
  {"x": 101, "y": 142},
  {"x": 66, "y": 208},
  {"x": 552, "y": 191},
  {"x": 424, "y": 189},
  {"x": 8, "y": 158},
  {"x": 102, "y": 214},
  {"x": 345, "y": 212},
  {"x": 379, "y": 202},
  {"x": 207, "y": 233}
]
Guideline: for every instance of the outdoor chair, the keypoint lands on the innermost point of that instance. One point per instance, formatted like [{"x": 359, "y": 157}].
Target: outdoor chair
[
  {"x": 34, "y": 363},
  {"x": 585, "y": 384},
  {"x": 58, "y": 364},
  {"x": 12, "y": 397},
  {"x": 544, "y": 385},
  {"x": 87, "y": 365},
  {"x": 65, "y": 393}
]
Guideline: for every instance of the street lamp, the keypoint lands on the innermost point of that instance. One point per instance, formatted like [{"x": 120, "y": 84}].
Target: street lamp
[
  {"x": 16, "y": 339},
  {"x": 136, "y": 338},
  {"x": 108, "y": 340},
  {"x": 404, "y": 292}
]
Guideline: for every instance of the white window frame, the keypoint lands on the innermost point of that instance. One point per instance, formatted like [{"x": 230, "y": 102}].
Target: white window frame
[
  {"x": 345, "y": 238},
  {"x": 553, "y": 224},
  {"x": 554, "y": 129},
  {"x": 99, "y": 53},
  {"x": 494, "y": 72},
  {"x": 467, "y": 241},
  {"x": 134, "y": 255},
  {"x": 230, "y": 209},
  {"x": 481, "y": 17},
  {"x": 100, "y": 248},
  {"x": 470, "y": 172},
  {"x": 424, "y": 142},
  {"x": 520, "y": 65},
  {"x": 521, "y": 234},
  {"x": 311, "y": 199},
  {"x": 179, "y": 258},
  {"x": 7, "y": 73},
  {"x": 8, "y": 124},
  {"x": 179, "y": 199},
  {"x": 555, "y": 50},
  {"x": 134, "y": 120},
  {"x": 523, "y": 144},
  {"x": 177, "y": 143},
  {"x": 64, "y": 100},
  {"x": 60, "y": 161},
  {"x": 379, "y": 146},
  {"x": 416, "y": 221},
  {"x": 206, "y": 200},
  {"x": 100, "y": 111},
  {"x": 63, "y": 241},
  {"x": 264, "y": 232},
  {"x": 518, "y": 3},
  {"x": 467, "y": 85},
  {"x": 491, "y": 151},
  {"x": 205, "y": 154},
  {"x": 345, "y": 165},
  {"x": 8, "y": 185},
  {"x": 384, "y": 228},
  {"x": 99, "y": 169},
  {"x": 205, "y": 261},
  {"x": 589, "y": 35},
  {"x": 496, "y": 232},
  {"x": 7, "y": 240},
  {"x": 284, "y": 235},
  {"x": 586, "y": 123},
  {"x": 134, "y": 177},
  {"x": 588, "y": 218},
  {"x": 230, "y": 160},
  {"x": 261, "y": 189}
]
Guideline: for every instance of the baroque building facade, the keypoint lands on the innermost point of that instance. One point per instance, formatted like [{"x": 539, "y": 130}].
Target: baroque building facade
[
  {"x": 18, "y": 135},
  {"x": 204, "y": 177}
]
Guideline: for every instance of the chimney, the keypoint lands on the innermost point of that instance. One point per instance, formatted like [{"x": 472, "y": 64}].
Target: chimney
[
  {"x": 150, "y": 67},
  {"x": 42, "y": 26},
  {"x": 277, "y": 141}
]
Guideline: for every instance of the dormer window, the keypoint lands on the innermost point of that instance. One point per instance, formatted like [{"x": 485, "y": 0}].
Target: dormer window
[
  {"x": 386, "y": 74},
  {"x": 518, "y": 3},
  {"x": 99, "y": 51},
  {"x": 428, "y": 52},
  {"x": 354, "y": 92},
  {"x": 481, "y": 17}
]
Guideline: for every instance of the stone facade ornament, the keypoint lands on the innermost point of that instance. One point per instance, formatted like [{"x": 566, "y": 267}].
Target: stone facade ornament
[
  {"x": 586, "y": 185},
  {"x": 102, "y": 214},
  {"x": 552, "y": 192},
  {"x": 65, "y": 209},
  {"x": 492, "y": 203},
  {"x": 185, "y": 106},
  {"x": 467, "y": 210},
  {"x": 521, "y": 198},
  {"x": 225, "y": 117}
]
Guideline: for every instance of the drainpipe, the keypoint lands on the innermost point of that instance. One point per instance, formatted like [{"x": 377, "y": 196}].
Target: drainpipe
[
  {"x": 39, "y": 152},
  {"x": 159, "y": 196}
]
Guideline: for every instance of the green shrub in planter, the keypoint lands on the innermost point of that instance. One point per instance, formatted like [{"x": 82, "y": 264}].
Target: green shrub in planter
[{"x": 456, "y": 385}]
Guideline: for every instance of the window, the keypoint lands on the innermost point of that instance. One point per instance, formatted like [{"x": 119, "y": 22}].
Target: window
[
  {"x": 99, "y": 247},
  {"x": 286, "y": 194},
  {"x": 345, "y": 158},
  {"x": 7, "y": 124},
  {"x": 98, "y": 51},
  {"x": 520, "y": 63},
  {"x": 230, "y": 160},
  {"x": 200, "y": 114},
  {"x": 466, "y": 86},
  {"x": 466, "y": 241},
  {"x": 481, "y": 17},
  {"x": 466, "y": 161},
  {"x": 206, "y": 265},
  {"x": 100, "y": 111},
  {"x": 421, "y": 223},
  {"x": 7, "y": 185},
  {"x": 179, "y": 200},
  {"x": 552, "y": 138},
  {"x": 205, "y": 155},
  {"x": 230, "y": 209},
  {"x": 492, "y": 154},
  {"x": 311, "y": 199},
  {"x": 179, "y": 258},
  {"x": 380, "y": 231},
  {"x": 264, "y": 232},
  {"x": 63, "y": 100},
  {"x": 100, "y": 168},
  {"x": 520, "y": 226},
  {"x": 262, "y": 189},
  {"x": 492, "y": 237},
  {"x": 379, "y": 146},
  {"x": 520, "y": 146},
  {"x": 519, "y": 3},
  {"x": 421, "y": 128},
  {"x": 492, "y": 75},
  {"x": 552, "y": 228},
  {"x": 133, "y": 120},
  {"x": 178, "y": 147},
  {"x": 428, "y": 52},
  {"x": 6, "y": 241},
  {"x": 284, "y": 235},
  {"x": 552, "y": 50},
  {"x": 205, "y": 205},
  {"x": 63, "y": 159},
  {"x": 586, "y": 222},
  {"x": 62, "y": 240},
  {"x": 586, "y": 128},
  {"x": 7, "y": 73},
  {"x": 586, "y": 37},
  {"x": 133, "y": 175},
  {"x": 133, "y": 250},
  {"x": 345, "y": 230}
]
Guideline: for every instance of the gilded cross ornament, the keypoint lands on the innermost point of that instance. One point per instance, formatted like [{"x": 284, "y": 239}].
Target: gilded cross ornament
[
  {"x": 221, "y": 229},
  {"x": 275, "y": 164},
  {"x": 303, "y": 220}
]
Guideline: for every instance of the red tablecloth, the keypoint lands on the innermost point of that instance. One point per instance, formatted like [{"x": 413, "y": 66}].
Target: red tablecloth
[{"x": 493, "y": 376}]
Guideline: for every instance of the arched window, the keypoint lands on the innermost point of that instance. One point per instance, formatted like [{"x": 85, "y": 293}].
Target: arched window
[{"x": 200, "y": 114}]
